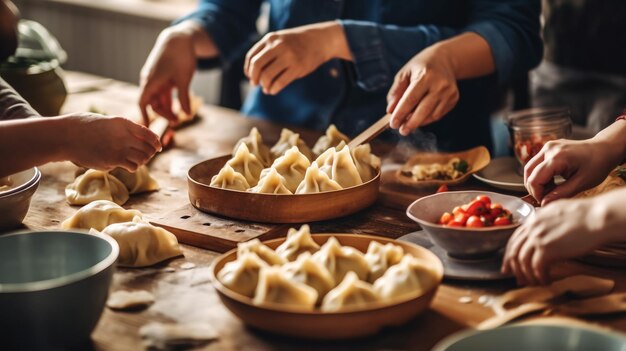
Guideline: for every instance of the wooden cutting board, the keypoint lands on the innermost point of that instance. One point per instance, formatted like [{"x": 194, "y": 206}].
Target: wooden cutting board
[{"x": 196, "y": 228}]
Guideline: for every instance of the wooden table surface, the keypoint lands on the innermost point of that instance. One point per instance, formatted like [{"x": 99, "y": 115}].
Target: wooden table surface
[{"x": 187, "y": 295}]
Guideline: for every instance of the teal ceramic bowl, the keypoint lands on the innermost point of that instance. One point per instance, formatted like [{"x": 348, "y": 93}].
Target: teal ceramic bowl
[
  {"x": 53, "y": 287},
  {"x": 534, "y": 338}
]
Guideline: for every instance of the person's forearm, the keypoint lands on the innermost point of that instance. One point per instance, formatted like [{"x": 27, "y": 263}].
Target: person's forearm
[
  {"x": 203, "y": 44},
  {"x": 468, "y": 54},
  {"x": 31, "y": 142},
  {"x": 608, "y": 216},
  {"x": 613, "y": 138}
]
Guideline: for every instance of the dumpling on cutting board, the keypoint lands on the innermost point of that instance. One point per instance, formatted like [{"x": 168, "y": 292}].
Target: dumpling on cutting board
[
  {"x": 242, "y": 275},
  {"x": 247, "y": 164},
  {"x": 142, "y": 244},
  {"x": 227, "y": 178},
  {"x": 138, "y": 182},
  {"x": 350, "y": 293},
  {"x": 96, "y": 185},
  {"x": 297, "y": 242},
  {"x": 254, "y": 142},
  {"x": 275, "y": 288},
  {"x": 289, "y": 139},
  {"x": 98, "y": 215},
  {"x": 292, "y": 166},
  {"x": 331, "y": 138}
]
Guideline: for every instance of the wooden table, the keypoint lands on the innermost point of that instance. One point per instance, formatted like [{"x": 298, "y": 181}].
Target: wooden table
[{"x": 187, "y": 295}]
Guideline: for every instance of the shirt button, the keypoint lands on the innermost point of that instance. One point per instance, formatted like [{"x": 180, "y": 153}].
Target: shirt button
[{"x": 333, "y": 72}]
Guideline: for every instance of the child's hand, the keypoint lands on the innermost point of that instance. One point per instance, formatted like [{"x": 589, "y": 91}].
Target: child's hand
[{"x": 104, "y": 143}]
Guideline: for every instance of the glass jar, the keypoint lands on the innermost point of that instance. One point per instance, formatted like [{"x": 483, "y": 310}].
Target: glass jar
[{"x": 532, "y": 128}]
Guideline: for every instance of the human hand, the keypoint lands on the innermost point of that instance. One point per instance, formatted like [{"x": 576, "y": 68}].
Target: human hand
[
  {"x": 423, "y": 91},
  {"x": 564, "y": 229},
  {"x": 584, "y": 164},
  {"x": 286, "y": 55},
  {"x": 170, "y": 65},
  {"x": 104, "y": 143}
]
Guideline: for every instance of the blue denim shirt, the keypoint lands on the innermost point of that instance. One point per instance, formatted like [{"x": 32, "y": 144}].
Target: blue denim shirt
[{"x": 383, "y": 35}]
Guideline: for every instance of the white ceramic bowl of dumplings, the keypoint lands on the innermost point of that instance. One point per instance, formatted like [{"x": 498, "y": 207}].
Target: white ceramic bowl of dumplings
[
  {"x": 274, "y": 208},
  {"x": 354, "y": 323},
  {"x": 53, "y": 287},
  {"x": 464, "y": 242},
  {"x": 15, "y": 201}
]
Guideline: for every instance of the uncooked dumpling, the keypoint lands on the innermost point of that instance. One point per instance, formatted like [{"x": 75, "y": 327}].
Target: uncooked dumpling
[
  {"x": 306, "y": 270},
  {"x": 380, "y": 257},
  {"x": 254, "y": 142},
  {"x": 271, "y": 183},
  {"x": 96, "y": 185},
  {"x": 227, "y": 178},
  {"x": 316, "y": 181},
  {"x": 247, "y": 164},
  {"x": 275, "y": 287},
  {"x": 411, "y": 275},
  {"x": 339, "y": 260},
  {"x": 297, "y": 242},
  {"x": 292, "y": 166},
  {"x": 340, "y": 167},
  {"x": 137, "y": 182},
  {"x": 242, "y": 275},
  {"x": 350, "y": 293},
  {"x": 332, "y": 138},
  {"x": 366, "y": 163},
  {"x": 98, "y": 215},
  {"x": 142, "y": 244},
  {"x": 265, "y": 253},
  {"x": 287, "y": 140}
]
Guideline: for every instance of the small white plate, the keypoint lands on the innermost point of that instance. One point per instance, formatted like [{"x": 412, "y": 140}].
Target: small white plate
[{"x": 502, "y": 173}]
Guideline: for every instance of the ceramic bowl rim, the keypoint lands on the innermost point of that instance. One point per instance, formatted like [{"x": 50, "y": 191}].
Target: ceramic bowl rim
[
  {"x": 278, "y": 308},
  {"x": 426, "y": 223},
  {"x": 52, "y": 283},
  {"x": 23, "y": 187},
  {"x": 454, "y": 338}
]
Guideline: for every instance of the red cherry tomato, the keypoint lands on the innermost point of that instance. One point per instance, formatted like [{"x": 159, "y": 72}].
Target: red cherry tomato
[
  {"x": 485, "y": 199},
  {"x": 487, "y": 220},
  {"x": 461, "y": 218},
  {"x": 454, "y": 223},
  {"x": 502, "y": 221},
  {"x": 474, "y": 222},
  {"x": 476, "y": 208},
  {"x": 457, "y": 210},
  {"x": 442, "y": 189},
  {"x": 445, "y": 218}
]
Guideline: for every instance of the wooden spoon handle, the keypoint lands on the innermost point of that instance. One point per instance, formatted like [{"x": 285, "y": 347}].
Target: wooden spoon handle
[{"x": 371, "y": 132}]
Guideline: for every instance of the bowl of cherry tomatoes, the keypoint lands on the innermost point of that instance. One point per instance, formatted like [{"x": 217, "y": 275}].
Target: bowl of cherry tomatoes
[{"x": 470, "y": 224}]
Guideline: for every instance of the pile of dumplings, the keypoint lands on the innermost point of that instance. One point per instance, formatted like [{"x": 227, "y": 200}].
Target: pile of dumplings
[
  {"x": 291, "y": 167},
  {"x": 141, "y": 244},
  {"x": 116, "y": 186},
  {"x": 302, "y": 275}
]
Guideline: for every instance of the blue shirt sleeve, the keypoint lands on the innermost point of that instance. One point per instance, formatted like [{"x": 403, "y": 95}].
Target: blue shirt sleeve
[
  {"x": 510, "y": 27},
  {"x": 230, "y": 23}
]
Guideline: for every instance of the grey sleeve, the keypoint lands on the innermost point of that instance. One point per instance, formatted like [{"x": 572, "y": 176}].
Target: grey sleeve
[{"x": 12, "y": 105}]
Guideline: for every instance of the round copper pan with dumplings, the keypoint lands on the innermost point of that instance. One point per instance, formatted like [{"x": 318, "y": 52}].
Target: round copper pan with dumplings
[
  {"x": 274, "y": 208},
  {"x": 346, "y": 324}
]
